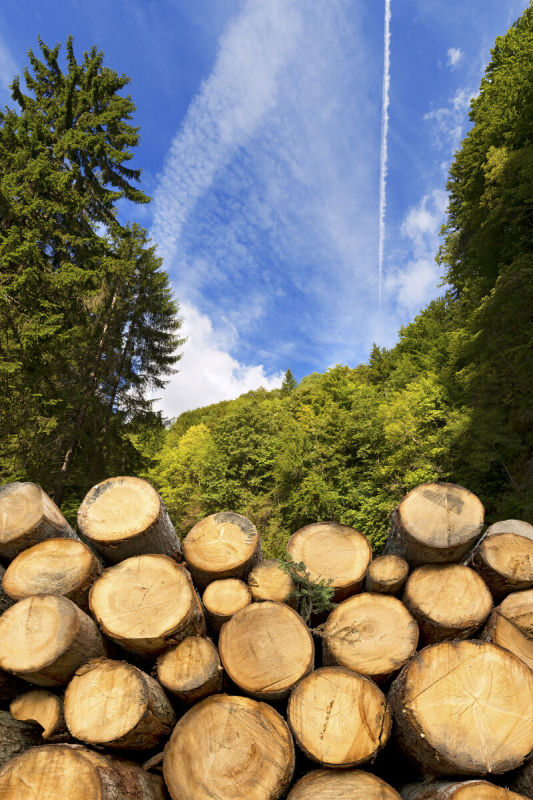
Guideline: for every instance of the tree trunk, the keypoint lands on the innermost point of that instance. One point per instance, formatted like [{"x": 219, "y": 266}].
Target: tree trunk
[
  {"x": 43, "y": 708},
  {"x": 332, "y": 552},
  {"x": 267, "y": 581},
  {"x": 16, "y": 737},
  {"x": 72, "y": 772},
  {"x": 518, "y": 609},
  {"x": 338, "y": 717},
  {"x": 124, "y": 517},
  {"x": 455, "y": 790},
  {"x": 501, "y": 631},
  {"x": 27, "y": 516},
  {"x": 505, "y": 562},
  {"x": 386, "y": 575},
  {"x": 224, "y": 545},
  {"x": 373, "y": 634},
  {"x": 55, "y": 566},
  {"x": 435, "y": 523},
  {"x": 266, "y": 649},
  {"x": 449, "y": 601},
  {"x": 229, "y": 747},
  {"x": 45, "y": 638},
  {"x": 114, "y": 704},
  {"x": 222, "y": 599},
  {"x": 463, "y": 708},
  {"x": 191, "y": 670},
  {"x": 146, "y": 604},
  {"x": 349, "y": 784}
]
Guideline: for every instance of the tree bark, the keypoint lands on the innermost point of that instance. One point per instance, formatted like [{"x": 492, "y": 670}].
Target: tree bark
[{"x": 16, "y": 736}]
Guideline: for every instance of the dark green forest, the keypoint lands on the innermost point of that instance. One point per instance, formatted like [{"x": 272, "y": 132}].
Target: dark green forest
[{"x": 88, "y": 323}]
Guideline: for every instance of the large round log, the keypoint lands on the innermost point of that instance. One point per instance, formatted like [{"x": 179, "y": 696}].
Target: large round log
[
  {"x": 386, "y": 575},
  {"x": 16, "y": 737},
  {"x": 518, "y": 609},
  {"x": 222, "y": 599},
  {"x": 27, "y": 516},
  {"x": 449, "y": 601},
  {"x": 146, "y": 604},
  {"x": 73, "y": 772},
  {"x": 266, "y": 649},
  {"x": 464, "y": 708},
  {"x": 55, "y": 566},
  {"x": 114, "y": 704},
  {"x": 43, "y": 708},
  {"x": 435, "y": 523},
  {"x": 349, "y": 784},
  {"x": 45, "y": 638},
  {"x": 231, "y": 748},
  {"x": 338, "y": 717},
  {"x": 191, "y": 670},
  {"x": 267, "y": 581},
  {"x": 124, "y": 517},
  {"x": 336, "y": 553},
  {"x": 458, "y": 790},
  {"x": 505, "y": 562},
  {"x": 224, "y": 545},
  {"x": 373, "y": 634},
  {"x": 501, "y": 631}
]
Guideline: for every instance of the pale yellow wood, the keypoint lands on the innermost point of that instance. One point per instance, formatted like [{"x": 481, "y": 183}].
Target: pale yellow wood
[
  {"x": 348, "y": 784},
  {"x": 229, "y": 748},
  {"x": 505, "y": 561},
  {"x": 191, "y": 670},
  {"x": 455, "y": 790},
  {"x": 338, "y": 717},
  {"x": 146, "y": 603},
  {"x": 222, "y": 599},
  {"x": 501, "y": 631},
  {"x": 42, "y": 707},
  {"x": 267, "y": 581},
  {"x": 373, "y": 634},
  {"x": 386, "y": 574},
  {"x": 266, "y": 649},
  {"x": 333, "y": 552},
  {"x": 518, "y": 609}
]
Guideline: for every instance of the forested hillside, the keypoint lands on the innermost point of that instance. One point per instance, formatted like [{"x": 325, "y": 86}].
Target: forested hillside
[{"x": 451, "y": 401}]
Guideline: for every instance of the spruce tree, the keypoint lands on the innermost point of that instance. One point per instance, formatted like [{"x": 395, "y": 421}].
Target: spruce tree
[{"x": 289, "y": 383}]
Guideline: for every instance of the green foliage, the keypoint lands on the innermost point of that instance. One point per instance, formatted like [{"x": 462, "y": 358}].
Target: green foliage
[
  {"x": 312, "y": 597},
  {"x": 289, "y": 383}
]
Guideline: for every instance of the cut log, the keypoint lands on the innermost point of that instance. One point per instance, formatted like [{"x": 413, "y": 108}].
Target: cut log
[
  {"x": 55, "y": 566},
  {"x": 517, "y": 526},
  {"x": 464, "y": 708},
  {"x": 27, "y": 516},
  {"x": 222, "y": 599},
  {"x": 113, "y": 703},
  {"x": 45, "y": 638},
  {"x": 435, "y": 523},
  {"x": 266, "y": 649},
  {"x": 350, "y": 784},
  {"x": 518, "y": 609},
  {"x": 465, "y": 790},
  {"x": 231, "y": 748},
  {"x": 499, "y": 630},
  {"x": 267, "y": 581},
  {"x": 191, "y": 670},
  {"x": 338, "y": 717},
  {"x": 16, "y": 737},
  {"x": 72, "y": 772},
  {"x": 449, "y": 601},
  {"x": 224, "y": 545},
  {"x": 335, "y": 553},
  {"x": 373, "y": 634},
  {"x": 505, "y": 562},
  {"x": 146, "y": 604},
  {"x": 5, "y": 600},
  {"x": 386, "y": 575},
  {"x": 124, "y": 517},
  {"x": 43, "y": 708}
]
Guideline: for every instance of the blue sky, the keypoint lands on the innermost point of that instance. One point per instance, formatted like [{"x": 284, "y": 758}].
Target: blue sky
[{"x": 261, "y": 145}]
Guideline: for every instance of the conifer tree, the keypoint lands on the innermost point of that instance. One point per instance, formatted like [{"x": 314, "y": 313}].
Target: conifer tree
[{"x": 289, "y": 383}]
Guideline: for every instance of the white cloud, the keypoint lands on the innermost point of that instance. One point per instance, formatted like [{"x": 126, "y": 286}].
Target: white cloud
[
  {"x": 455, "y": 56},
  {"x": 8, "y": 70},
  {"x": 448, "y": 122}
]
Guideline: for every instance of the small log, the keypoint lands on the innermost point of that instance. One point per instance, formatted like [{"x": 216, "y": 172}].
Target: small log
[
  {"x": 27, "y": 516},
  {"x": 435, "y": 523},
  {"x": 146, "y": 604},
  {"x": 124, "y": 517},
  {"x": 518, "y": 609},
  {"x": 266, "y": 649},
  {"x": 386, "y": 575},
  {"x": 373, "y": 634},
  {"x": 16, "y": 737},
  {"x": 501, "y": 631},
  {"x": 222, "y": 599},
  {"x": 505, "y": 562},
  {"x": 224, "y": 545},
  {"x": 458, "y": 790},
  {"x": 338, "y": 717},
  {"x": 45, "y": 638},
  {"x": 517, "y": 526},
  {"x": 43, "y": 708},
  {"x": 5, "y": 600},
  {"x": 449, "y": 601},
  {"x": 464, "y": 708},
  {"x": 352, "y": 784},
  {"x": 115, "y": 704},
  {"x": 228, "y": 747},
  {"x": 267, "y": 581},
  {"x": 72, "y": 772},
  {"x": 336, "y": 553},
  {"x": 191, "y": 670},
  {"x": 55, "y": 566}
]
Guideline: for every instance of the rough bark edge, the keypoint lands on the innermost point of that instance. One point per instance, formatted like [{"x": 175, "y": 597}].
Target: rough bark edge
[{"x": 16, "y": 736}]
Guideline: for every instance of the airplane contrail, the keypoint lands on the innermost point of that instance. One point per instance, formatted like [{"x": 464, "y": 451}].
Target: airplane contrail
[{"x": 384, "y": 147}]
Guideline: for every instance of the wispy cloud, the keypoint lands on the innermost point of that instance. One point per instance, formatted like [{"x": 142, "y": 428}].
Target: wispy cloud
[
  {"x": 455, "y": 56},
  {"x": 384, "y": 144},
  {"x": 448, "y": 122},
  {"x": 8, "y": 69}
]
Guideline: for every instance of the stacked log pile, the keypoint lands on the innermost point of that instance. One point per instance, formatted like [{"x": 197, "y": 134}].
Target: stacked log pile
[{"x": 136, "y": 667}]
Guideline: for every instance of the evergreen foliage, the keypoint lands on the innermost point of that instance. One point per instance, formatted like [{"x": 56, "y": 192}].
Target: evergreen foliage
[{"x": 312, "y": 597}]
